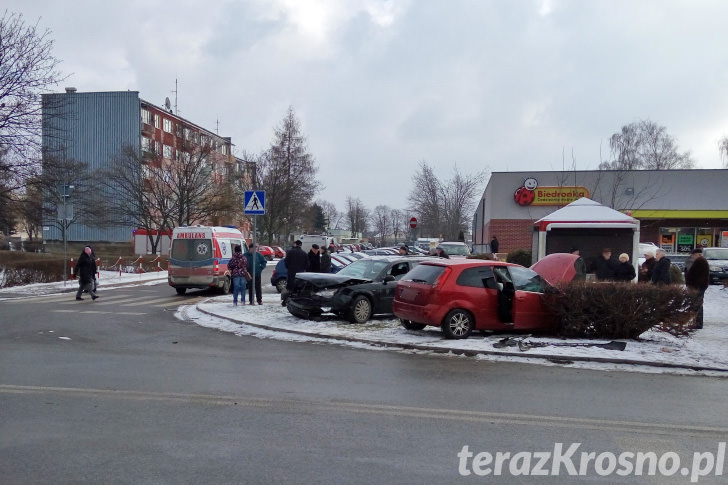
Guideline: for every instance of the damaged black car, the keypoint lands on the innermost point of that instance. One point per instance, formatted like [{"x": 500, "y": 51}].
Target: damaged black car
[{"x": 357, "y": 292}]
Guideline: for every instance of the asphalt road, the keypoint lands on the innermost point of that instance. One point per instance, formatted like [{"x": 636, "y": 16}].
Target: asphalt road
[{"x": 121, "y": 391}]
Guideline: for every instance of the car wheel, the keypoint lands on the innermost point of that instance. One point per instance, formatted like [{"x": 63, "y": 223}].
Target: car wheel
[
  {"x": 226, "y": 286},
  {"x": 181, "y": 291},
  {"x": 281, "y": 285},
  {"x": 360, "y": 310},
  {"x": 458, "y": 324},
  {"x": 409, "y": 325}
]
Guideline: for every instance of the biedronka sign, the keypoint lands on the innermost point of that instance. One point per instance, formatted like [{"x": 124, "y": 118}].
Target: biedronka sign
[{"x": 531, "y": 194}]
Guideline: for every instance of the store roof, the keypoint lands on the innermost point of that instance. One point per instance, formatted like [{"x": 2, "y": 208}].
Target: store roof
[{"x": 586, "y": 210}]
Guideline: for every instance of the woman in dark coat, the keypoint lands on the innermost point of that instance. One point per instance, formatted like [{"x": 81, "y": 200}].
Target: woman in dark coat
[
  {"x": 86, "y": 271},
  {"x": 624, "y": 270}
]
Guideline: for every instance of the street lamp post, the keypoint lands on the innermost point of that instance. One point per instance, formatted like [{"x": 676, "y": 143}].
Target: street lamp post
[{"x": 66, "y": 191}]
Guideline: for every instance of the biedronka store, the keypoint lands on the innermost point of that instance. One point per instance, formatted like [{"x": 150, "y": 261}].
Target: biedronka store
[{"x": 678, "y": 210}]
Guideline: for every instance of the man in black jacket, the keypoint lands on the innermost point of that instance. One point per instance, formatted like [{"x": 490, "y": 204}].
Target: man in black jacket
[
  {"x": 697, "y": 279},
  {"x": 86, "y": 270},
  {"x": 661, "y": 270},
  {"x": 296, "y": 261},
  {"x": 314, "y": 260}
]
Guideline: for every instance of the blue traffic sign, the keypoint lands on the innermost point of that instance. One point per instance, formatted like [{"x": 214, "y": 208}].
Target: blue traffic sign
[{"x": 254, "y": 204}]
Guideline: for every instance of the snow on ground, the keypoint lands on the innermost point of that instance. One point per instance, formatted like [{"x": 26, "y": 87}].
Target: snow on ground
[{"x": 705, "y": 352}]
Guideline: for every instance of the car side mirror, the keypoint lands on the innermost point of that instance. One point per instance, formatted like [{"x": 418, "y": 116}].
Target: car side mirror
[{"x": 388, "y": 278}]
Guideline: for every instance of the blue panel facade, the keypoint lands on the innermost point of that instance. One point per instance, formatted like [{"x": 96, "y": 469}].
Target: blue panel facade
[{"x": 92, "y": 128}]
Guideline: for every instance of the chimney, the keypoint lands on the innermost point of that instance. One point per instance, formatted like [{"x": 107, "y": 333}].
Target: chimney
[{"x": 70, "y": 90}]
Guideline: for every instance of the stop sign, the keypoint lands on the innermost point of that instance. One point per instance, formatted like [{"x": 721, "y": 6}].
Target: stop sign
[{"x": 413, "y": 222}]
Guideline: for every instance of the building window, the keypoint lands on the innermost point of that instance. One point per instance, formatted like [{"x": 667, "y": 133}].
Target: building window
[
  {"x": 156, "y": 121},
  {"x": 167, "y": 124},
  {"x": 167, "y": 151},
  {"x": 146, "y": 144},
  {"x": 157, "y": 147},
  {"x": 146, "y": 116}
]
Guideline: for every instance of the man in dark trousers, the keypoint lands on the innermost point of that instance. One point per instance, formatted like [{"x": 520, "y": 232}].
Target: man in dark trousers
[
  {"x": 86, "y": 270},
  {"x": 661, "y": 270},
  {"x": 256, "y": 265},
  {"x": 296, "y": 261},
  {"x": 494, "y": 245},
  {"x": 314, "y": 260},
  {"x": 697, "y": 279}
]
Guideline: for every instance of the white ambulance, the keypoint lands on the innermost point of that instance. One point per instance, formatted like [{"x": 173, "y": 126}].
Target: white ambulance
[{"x": 199, "y": 255}]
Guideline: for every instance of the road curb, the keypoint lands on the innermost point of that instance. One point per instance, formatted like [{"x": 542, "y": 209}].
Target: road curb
[{"x": 557, "y": 359}]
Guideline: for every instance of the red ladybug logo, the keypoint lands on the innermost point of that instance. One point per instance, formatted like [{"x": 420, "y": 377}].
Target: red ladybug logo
[{"x": 523, "y": 196}]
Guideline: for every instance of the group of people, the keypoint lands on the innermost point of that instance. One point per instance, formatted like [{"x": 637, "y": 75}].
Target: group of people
[
  {"x": 317, "y": 260},
  {"x": 656, "y": 270},
  {"x": 246, "y": 270}
]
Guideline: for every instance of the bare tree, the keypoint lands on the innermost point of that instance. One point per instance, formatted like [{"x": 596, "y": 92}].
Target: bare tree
[
  {"x": 287, "y": 172},
  {"x": 381, "y": 223},
  {"x": 356, "y": 215},
  {"x": 425, "y": 199},
  {"x": 333, "y": 216},
  {"x": 27, "y": 68},
  {"x": 444, "y": 208},
  {"x": 397, "y": 223},
  {"x": 645, "y": 145},
  {"x": 723, "y": 149}
]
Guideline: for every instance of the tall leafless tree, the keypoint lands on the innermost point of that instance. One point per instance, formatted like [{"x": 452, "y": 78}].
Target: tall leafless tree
[
  {"x": 357, "y": 216},
  {"x": 27, "y": 69},
  {"x": 444, "y": 208},
  {"x": 645, "y": 145},
  {"x": 381, "y": 222},
  {"x": 723, "y": 149},
  {"x": 330, "y": 213},
  {"x": 287, "y": 173}
]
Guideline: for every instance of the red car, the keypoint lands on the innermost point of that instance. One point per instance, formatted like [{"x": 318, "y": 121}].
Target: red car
[
  {"x": 278, "y": 252},
  {"x": 462, "y": 295},
  {"x": 266, "y": 251}
]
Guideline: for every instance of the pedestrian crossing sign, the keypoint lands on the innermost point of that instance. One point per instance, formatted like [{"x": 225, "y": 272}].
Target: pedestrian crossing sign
[{"x": 254, "y": 202}]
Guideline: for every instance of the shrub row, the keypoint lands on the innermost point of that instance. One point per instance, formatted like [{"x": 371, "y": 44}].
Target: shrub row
[{"x": 621, "y": 310}]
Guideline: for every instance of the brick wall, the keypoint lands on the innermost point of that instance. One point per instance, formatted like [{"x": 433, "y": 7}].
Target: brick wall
[{"x": 512, "y": 234}]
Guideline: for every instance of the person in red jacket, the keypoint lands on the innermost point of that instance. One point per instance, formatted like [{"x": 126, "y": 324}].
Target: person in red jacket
[{"x": 697, "y": 279}]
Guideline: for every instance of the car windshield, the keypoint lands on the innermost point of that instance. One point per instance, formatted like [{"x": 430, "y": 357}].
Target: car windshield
[
  {"x": 526, "y": 279},
  {"x": 715, "y": 253},
  {"x": 455, "y": 249},
  {"x": 364, "y": 268}
]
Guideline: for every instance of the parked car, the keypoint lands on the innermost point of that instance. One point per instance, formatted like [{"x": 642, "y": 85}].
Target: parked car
[
  {"x": 278, "y": 252},
  {"x": 462, "y": 295},
  {"x": 279, "y": 276},
  {"x": 360, "y": 290},
  {"x": 718, "y": 262},
  {"x": 266, "y": 251},
  {"x": 455, "y": 249}
]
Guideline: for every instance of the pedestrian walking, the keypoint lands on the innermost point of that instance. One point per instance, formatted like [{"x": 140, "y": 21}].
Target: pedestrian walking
[
  {"x": 238, "y": 267},
  {"x": 697, "y": 280},
  {"x": 325, "y": 261},
  {"x": 86, "y": 270},
  {"x": 256, "y": 265},
  {"x": 494, "y": 245}
]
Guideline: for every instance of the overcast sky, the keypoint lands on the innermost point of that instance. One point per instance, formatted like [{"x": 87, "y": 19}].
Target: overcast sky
[{"x": 509, "y": 85}]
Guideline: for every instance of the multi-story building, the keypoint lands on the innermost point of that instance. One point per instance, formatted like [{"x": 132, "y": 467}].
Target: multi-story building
[{"x": 96, "y": 127}]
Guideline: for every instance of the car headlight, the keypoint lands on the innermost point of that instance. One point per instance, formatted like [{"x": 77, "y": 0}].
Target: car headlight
[{"x": 326, "y": 293}]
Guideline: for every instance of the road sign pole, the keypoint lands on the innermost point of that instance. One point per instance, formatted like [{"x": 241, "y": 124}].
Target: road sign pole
[{"x": 255, "y": 256}]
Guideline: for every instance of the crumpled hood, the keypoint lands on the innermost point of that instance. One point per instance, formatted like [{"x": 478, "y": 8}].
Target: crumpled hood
[{"x": 329, "y": 280}]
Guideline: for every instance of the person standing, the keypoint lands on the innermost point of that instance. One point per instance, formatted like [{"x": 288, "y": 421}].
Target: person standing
[
  {"x": 296, "y": 262},
  {"x": 256, "y": 265},
  {"x": 579, "y": 264},
  {"x": 238, "y": 267},
  {"x": 697, "y": 280},
  {"x": 647, "y": 267},
  {"x": 86, "y": 270},
  {"x": 314, "y": 260},
  {"x": 494, "y": 245},
  {"x": 440, "y": 252},
  {"x": 624, "y": 271},
  {"x": 661, "y": 270},
  {"x": 403, "y": 251},
  {"x": 325, "y": 261},
  {"x": 606, "y": 266}
]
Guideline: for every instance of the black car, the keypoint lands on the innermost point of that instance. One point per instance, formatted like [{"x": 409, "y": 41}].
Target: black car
[{"x": 360, "y": 290}]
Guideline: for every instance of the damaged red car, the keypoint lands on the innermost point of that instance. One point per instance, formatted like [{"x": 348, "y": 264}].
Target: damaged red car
[{"x": 464, "y": 295}]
